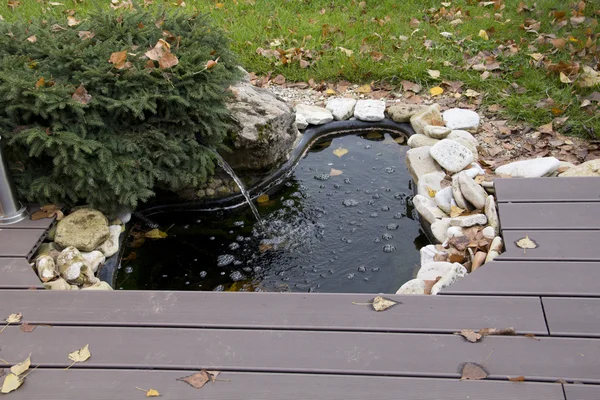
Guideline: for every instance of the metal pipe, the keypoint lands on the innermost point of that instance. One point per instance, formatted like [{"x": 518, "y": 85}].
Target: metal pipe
[{"x": 11, "y": 211}]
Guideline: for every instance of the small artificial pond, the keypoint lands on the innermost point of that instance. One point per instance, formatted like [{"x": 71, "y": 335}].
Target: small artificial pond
[{"x": 342, "y": 222}]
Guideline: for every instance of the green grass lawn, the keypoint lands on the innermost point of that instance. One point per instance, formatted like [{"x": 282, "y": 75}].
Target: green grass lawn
[{"x": 387, "y": 41}]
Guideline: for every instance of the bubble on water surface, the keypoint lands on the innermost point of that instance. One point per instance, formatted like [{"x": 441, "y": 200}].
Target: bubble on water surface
[
  {"x": 224, "y": 260},
  {"x": 347, "y": 181},
  {"x": 350, "y": 276},
  {"x": 350, "y": 203},
  {"x": 289, "y": 203},
  {"x": 387, "y": 236},
  {"x": 385, "y": 208},
  {"x": 237, "y": 276},
  {"x": 398, "y": 215},
  {"x": 388, "y": 248},
  {"x": 234, "y": 246},
  {"x": 238, "y": 223},
  {"x": 203, "y": 274},
  {"x": 392, "y": 227},
  {"x": 362, "y": 268},
  {"x": 390, "y": 170},
  {"x": 219, "y": 288},
  {"x": 374, "y": 215},
  {"x": 321, "y": 177},
  {"x": 376, "y": 196},
  {"x": 128, "y": 270}
]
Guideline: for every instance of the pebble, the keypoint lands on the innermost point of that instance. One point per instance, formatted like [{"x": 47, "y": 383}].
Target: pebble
[
  {"x": 468, "y": 220},
  {"x": 457, "y": 272},
  {"x": 414, "y": 286},
  {"x": 454, "y": 231},
  {"x": 533, "y": 168},
  {"x": 314, "y": 115},
  {"x": 427, "y": 208},
  {"x": 445, "y": 199},
  {"x": 436, "y": 132},
  {"x": 341, "y": 108},
  {"x": 419, "y": 162},
  {"x": 588, "y": 168},
  {"x": 301, "y": 121},
  {"x": 495, "y": 249},
  {"x": 458, "y": 133},
  {"x": 403, "y": 112},
  {"x": 429, "y": 116},
  {"x": 458, "y": 118},
  {"x": 369, "y": 110},
  {"x": 451, "y": 155},
  {"x": 432, "y": 270},
  {"x": 472, "y": 191},
  {"x": 429, "y": 182},
  {"x": 488, "y": 232},
  {"x": 458, "y": 196},
  {"x": 439, "y": 229},
  {"x": 418, "y": 140},
  {"x": 427, "y": 254},
  {"x": 492, "y": 214},
  {"x": 474, "y": 170}
]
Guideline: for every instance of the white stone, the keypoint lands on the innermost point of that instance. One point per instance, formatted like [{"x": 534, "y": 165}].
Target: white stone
[
  {"x": 414, "y": 286},
  {"x": 445, "y": 199},
  {"x": 495, "y": 249},
  {"x": 534, "y": 168},
  {"x": 101, "y": 285},
  {"x": 419, "y": 162},
  {"x": 588, "y": 168},
  {"x": 432, "y": 180},
  {"x": 111, "y": 245},
  {"x": 430, "y": 116},
  {"x": 472, "y": 191},
  {"x": 458, "y": 133},
  {"x": 466, "y": 221},
  {"x": 301, "y": 121},
  {"x": 427, "y": 208},
  {"x": 418, "y": 140},
  {"x": 492, "y": 214},
  {"x": 474, "y": 170},
  {"x": 454, "y": 231},
  {"x": 451, "y": 155},
  {"x": 458, "y": 271},
  {"x": 461, "y": 119},
  {"x": 403, "y": 112},
  {"x": 124, "y": 215},
  {"x": 314, "y": 115},
  {"x": 427, "y": 254},
  {"x": 369, "y": 110},
  {"x": 458, "y": 196},
  {"x": 341, "y": 108},
  {"x": 46, "y": 268},
  {"x": 94, "y": 259},
  {"x": 488, "y": 232},
  {"x": 58, "y": 284},
  {"x": 431, "y": 271},
  {"x": 469, "y": 146},
  {"x": 439, "y": 229},
  {"x": 436, "y": 132}
]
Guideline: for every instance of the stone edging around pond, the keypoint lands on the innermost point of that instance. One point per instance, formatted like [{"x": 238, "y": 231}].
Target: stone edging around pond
[{"x": 454, "y": 194}]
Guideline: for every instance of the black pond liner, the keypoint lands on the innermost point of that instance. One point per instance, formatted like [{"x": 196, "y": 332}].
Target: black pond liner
[{"x": 310, "y": 136}]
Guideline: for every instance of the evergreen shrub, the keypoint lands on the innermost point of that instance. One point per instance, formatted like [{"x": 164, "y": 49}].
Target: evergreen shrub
[{"x": 104, "y": 111}]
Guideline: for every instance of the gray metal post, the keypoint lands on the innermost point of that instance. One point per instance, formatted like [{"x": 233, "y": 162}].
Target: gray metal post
[{"x": 11, "y": 211}]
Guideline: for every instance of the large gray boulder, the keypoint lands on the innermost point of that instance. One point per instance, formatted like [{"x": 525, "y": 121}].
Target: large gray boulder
[
  {"x": 264, "y": 129},
  {"x": 84, "y": 229}
]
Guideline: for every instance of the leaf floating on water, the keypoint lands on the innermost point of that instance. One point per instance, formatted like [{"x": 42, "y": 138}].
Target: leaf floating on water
[
  {"x": 335, "y": 172},
  {"x": 517, "y": 379},
  {"x": 382, "y": 304},
  {"x": 340, "y": 151},
  {"x": 470, "y": 335},
  {"x": 11, "y": 382},
  {"x": 526, "y": 243},
  {"x": 263, "y": 198},
  {"x": 198, "y": 380},
  {"x": 80, "y": 355},
  {"x": 156, "y": 234},
  {"x": 472, "y": 371},
  {"x": 20, "y": 368}
]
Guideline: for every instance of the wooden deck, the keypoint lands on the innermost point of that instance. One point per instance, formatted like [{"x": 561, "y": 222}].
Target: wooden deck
[{"x": 321, "y": 346}]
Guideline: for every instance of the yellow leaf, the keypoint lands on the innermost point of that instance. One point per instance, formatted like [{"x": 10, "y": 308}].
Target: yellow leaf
[
  {"x": 263, "y": 198},
  {"x": 155, "y": 234},
  {"x": 431, "y": 192},
  {"x": 219, "y": 5},
  {"x": 21, "y": 367},
  {"x": 483, "y": 34},
  {"x": 564, "y": 78},
  {"x": 382, "y": 304},
  {"x": 455, "y": 211},
  {"x": 364, "y": 89},
  {"x": 436, "y": 91},
  {"x": 335, "y": 172},
  {"x": 14, "y": 318},
  {"x": 40, "y": 83},
  {"x": 330, "y": 92},
  {"x": 536, "y": 56},
  {"x": 340, "y": 151},
  {"x": 434, "y": 73},
  {"x": 152, "y": 393},
  {"x": 11, "y": 382},
  {"x": 80, "y": 355},
  {"x": 526, "y": 243}
]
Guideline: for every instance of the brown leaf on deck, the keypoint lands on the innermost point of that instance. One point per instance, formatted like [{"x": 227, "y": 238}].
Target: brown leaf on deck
[{"x": 472, "y": 371}]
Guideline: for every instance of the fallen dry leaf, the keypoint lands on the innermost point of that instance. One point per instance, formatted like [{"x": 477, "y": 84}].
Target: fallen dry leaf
[
  {"x": 340, "y": 151},
  {"x": 498, "y": 332},
  {"x": 263, "y": 198},
  {"x": 11, "y": 382},
  {"x": 40, "y": 83},
  {"x": 168, "y": 60},
  {"x": 72, "y": 21},
  {"x": 434, "y": 73},
  {"x": 531, "y": 336},
  {"x": 27, "y": 328},
  {"x": 526, "y": 243},
  {"x": 12, "y": 319},
  {"x": 382, "y": 304},
  {"x": 32, "y": 39},
  {"x": 149, "y": 392},
  {"x": 80, "y": 355},
  {"x": 472, "y": 371},
  {"x": 483, "y": 34},
  {"x": 20, "y": 368},
  {"x": 264, "y": 247},
  {"x": 436, "y": 91},
  {"x": 364, "y": 89},
  {"x": 470, "y": 335},
  {"x": 335, "y": 172},
  {"x": 213, "y": 375},
  {"x": 86, "y": 35},
  {"x": 81, "y": 95},
  {"x": 197, "y": 380},
  {"x": 455, "y": 211},
  {"x": 118, "y": 59},
  {"x": 517, "y": 379},
  {"x": 155, "y": 234}
]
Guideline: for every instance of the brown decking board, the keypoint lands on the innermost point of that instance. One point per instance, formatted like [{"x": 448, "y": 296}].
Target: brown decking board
[
  {"x": 19, "y": 242},
  {"x": 553, "y": 245},
  {"x": 573, "y": 316},
  {"x": 15, "y": 273},
  {"x": 275, "y": 311},
  {"x": 582, "y": 392},
  {"x": 550, "y": 216},
  {"x": 532, "y": 190},
  {"x": 530, "y": 278},
  {"x": 121, "y": 385},
  {"x": 394, "y": 354}
]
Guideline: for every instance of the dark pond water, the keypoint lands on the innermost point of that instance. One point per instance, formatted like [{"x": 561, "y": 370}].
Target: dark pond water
[{"x": 354, "y": 232}]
